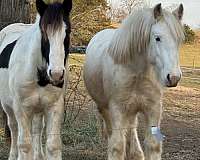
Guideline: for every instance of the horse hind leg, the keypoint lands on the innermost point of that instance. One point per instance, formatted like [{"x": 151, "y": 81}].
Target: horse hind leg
[
  {"x": 12, "y": 123},
  {"x": 4, "y": 124},
  {"x": 37, "y": 130},
  {"x": 106, "y": 124}
]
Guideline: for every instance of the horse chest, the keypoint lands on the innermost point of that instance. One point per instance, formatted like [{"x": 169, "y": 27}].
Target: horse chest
[
  {"x": 39, "y": 98},
  {"x": 134, "y": 92}
]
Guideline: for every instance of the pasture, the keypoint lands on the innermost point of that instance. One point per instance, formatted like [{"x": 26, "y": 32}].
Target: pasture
[{"x": 81, "y": 132}]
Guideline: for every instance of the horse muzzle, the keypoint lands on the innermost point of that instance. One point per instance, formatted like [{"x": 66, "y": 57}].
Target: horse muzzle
[
  {"x": 172, "y": 80},
  {"x": 57, "y": 77}
]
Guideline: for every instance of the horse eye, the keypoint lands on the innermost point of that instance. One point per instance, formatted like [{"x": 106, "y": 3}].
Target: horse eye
[{"x": 158, "y": 39}]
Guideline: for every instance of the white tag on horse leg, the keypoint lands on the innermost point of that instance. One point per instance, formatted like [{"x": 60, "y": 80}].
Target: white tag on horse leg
[{"x": 157, "y": 133}]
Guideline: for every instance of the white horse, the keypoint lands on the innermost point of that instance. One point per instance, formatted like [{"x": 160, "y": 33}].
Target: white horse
[
  {"x": 125, "y": 72},
  {"x": 32, "y": 82}
]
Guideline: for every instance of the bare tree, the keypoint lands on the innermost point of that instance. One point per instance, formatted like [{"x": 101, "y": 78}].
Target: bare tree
[
  {"x": 13, "y": 11},
  {"x": 172, "y": 7},
  {"x": 113, "y": 13},
  {"x": 128, "y": 5}
]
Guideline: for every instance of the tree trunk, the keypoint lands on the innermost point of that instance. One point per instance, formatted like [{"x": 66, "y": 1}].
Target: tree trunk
[{"x": 12, "y": 11}]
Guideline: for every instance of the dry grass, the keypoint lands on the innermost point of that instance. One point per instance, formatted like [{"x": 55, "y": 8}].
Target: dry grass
[
  {"x": 76, "y": 59},
  {"x": 190, "y": 55}
]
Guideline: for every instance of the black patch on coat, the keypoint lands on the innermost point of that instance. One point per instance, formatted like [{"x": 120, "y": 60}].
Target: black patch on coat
[
  {"x": 45, "y": 49},
  {"x": 43, "y": 78},
  {"x": 5, "y": 55},
  {"x": 60, "y": 85}
]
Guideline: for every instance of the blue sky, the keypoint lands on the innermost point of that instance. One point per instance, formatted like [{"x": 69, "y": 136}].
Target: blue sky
[{"x": 192, "y": 10}]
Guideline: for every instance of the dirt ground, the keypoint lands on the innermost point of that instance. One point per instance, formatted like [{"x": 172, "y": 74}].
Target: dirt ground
[{"x": 180, "y": 124}]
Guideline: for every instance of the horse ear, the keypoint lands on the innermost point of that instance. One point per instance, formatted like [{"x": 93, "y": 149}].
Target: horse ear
[
  {"x": 41, "y": 6},
  {"x": 157, "y": 11},
  {"x": 178, "y": 13},
  {"x": 67, "y": 6}
]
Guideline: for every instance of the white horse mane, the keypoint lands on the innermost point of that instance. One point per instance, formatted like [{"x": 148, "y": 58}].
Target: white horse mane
[{"x": 133, "y": 36}]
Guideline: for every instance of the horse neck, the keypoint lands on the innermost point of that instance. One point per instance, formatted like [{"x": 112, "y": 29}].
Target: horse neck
[
  {"x": 144, "y": 70},
  {"x": 140, "y": 64},
  {"x": 34, "y": 55}
]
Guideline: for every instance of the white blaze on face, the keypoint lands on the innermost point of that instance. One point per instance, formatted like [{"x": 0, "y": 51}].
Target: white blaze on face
[
  {"x": 164, "y": 52},
  {"x": 57, "y": 52}
]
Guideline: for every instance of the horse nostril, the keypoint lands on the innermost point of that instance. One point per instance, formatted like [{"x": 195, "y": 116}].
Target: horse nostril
[
  {"x": 168, "y": 78},
  {"x": 62, "y": 75},
  {"x": 50, "y": 73},
  {"x": 56, "y": 75},
  {"x": 173, "y": 80}
]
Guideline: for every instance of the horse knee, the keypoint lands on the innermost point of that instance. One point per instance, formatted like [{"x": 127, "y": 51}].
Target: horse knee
[
  {"x": 153, "y": 145},
  {"x": 116, "y": 149},
  {"x": 12, "y": 125},
  {"x": 116, "y": 152},
  {"x": 137, "y": 155},
  {"x": 53, "y": 146},
  {"x": 38, "y": 156},
  {"x": 25, "y": 147}
]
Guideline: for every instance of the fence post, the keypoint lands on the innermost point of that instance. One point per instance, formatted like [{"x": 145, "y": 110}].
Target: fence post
[{"x": 193, "y": 65}]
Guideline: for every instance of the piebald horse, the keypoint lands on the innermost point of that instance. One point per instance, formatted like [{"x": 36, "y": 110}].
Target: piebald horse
[
  {"x": 125, "y": 72},
  {"x": 32, "y": 82},
  {"x": 7, "y": 35}
]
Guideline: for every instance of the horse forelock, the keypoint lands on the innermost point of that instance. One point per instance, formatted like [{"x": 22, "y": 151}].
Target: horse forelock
[
  {"x": 50, "y": 22},
  {"x": 133, "y": 36},
  {"x": 52, "y": 19}
]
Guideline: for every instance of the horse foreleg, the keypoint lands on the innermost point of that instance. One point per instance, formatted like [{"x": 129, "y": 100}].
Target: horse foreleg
[
  {"x": 24, "y": 118},
  {"x": 12, "y": 123},
  {"x": 134, "y": 151},
  {"x": 37, "y": 128},
  {"x": 117, "y": 139},
  {"x": 54, "y": 119},
  {"x": 153, "y": 137}
]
